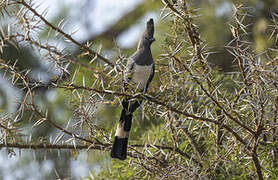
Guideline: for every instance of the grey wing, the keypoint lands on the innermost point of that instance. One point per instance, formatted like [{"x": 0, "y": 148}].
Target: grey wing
[
  {"x": 150, "y": 79},
  {"x": 128, "y": 73}
]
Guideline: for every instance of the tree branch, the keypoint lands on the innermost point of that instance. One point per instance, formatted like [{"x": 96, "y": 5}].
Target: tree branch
[
  {"x": 69, "y": 37},
  {"x": 154, "y": 100}
]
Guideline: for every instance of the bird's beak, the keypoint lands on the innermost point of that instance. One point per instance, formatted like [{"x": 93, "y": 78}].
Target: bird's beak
[{"x": 152, "y": 39}]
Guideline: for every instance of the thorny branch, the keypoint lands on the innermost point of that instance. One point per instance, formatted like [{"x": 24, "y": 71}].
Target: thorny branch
[
  {"x": 67, "y": 36},
  {"x": 244, "y": 68}
]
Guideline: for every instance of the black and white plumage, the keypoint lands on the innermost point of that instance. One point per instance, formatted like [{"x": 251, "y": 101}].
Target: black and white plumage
[{"x": 138, "y": 75}]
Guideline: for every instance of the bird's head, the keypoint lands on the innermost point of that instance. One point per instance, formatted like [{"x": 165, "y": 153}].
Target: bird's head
[{"x": 147, "y": 38}]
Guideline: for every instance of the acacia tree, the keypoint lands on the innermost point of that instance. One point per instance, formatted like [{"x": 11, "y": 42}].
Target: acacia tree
[{"x": 206, "y": 123}]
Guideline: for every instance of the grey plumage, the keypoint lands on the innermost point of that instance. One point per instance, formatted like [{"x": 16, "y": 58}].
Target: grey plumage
[{"x": 138, "y": 75}]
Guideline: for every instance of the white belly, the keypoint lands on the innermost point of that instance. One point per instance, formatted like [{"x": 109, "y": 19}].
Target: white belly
[{"x": 141, "y": 76}]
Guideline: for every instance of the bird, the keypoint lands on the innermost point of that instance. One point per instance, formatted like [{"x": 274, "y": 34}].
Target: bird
[{"x": 138, "y": 74}]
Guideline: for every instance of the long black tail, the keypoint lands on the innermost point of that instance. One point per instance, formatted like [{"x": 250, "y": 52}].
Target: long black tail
[{"x": 119, "y": 148}]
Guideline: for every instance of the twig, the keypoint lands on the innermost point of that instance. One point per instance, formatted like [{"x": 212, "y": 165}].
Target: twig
[
  {"x": 212, "y": 98},
  {"x": 69, "y": 37},
  {"x": 193, "y": 144},
  {"x": 48, "y": 146}
]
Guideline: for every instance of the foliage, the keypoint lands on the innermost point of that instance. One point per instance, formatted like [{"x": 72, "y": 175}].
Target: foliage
[{"x": 199, "y": 119}]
